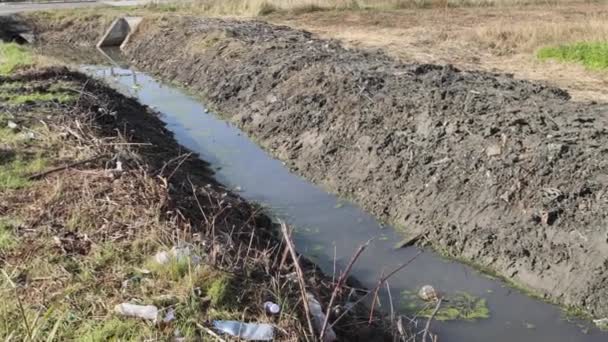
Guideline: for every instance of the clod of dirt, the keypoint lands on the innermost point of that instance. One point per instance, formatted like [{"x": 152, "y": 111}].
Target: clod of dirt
[{"x": 73, "y": 243}]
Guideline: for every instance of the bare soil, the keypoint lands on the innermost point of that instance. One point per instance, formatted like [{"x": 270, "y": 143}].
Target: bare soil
[{"x": 507, "y": 174}]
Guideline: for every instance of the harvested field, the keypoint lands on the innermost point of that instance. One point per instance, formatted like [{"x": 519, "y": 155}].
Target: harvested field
[
  {"x": 92, "y": 186},
  {"x": 506, "y": 174}
]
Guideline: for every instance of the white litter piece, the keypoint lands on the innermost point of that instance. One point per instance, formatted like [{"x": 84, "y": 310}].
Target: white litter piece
[
  {"x": 247, "y": 331},
  {"x": 319, "y": 318},
  {"x": 601, "y": 323},
  {"x": 178, "y": 253},
  {"x": 272, "y": 308},
  {"x": 12, "y": 125},
  {"x": 169, "y": 316},
  {"x": 29, "y": 136},
  {"x": 162, "y": 257},
  {"x": 149, "y": 312}
]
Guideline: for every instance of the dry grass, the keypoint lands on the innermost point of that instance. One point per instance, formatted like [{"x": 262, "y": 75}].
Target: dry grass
[
  {"x": 506, "y": 38},
  {"x": 263, "y": 7}
]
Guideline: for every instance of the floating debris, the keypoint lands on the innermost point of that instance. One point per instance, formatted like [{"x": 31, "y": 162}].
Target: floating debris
[
  {"x": 458, "y": 306},
  {"x": 428, "y": 293},
  {"x": 601, "y": 323}
]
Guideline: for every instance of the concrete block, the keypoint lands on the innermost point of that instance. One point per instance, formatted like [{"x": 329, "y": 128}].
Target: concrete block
[{"x": 119, "y": 31}]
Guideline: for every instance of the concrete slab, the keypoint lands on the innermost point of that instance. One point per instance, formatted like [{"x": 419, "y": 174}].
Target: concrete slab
[{"x": 119, "y": 32}]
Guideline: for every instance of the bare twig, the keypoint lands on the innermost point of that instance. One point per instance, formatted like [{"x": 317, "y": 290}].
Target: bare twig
[
  {"x": 185, "y": 157},
  {"x": 390, "y": 299},
  {"x": 299, "y": 273},
  {"x": 375, "y": 299},
  {"x": 428, "y": 322},
  {"x": 64, "y": 167},
  {"x": 338, "y": 286},
  {"x": 384, "y": 279}
]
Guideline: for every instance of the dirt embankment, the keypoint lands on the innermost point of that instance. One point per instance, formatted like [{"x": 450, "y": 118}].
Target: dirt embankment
[{"x": 506, "y": 174}]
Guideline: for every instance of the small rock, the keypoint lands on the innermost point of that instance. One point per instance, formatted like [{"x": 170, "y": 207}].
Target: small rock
[
  {"x": 271, "y": 99},
  {"x": 493, "y": 150}
]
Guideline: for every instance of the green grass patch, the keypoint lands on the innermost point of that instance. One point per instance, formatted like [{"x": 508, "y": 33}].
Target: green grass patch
[
  {"x": 17, "y": 99},
  {"x": 593, "y": 55},
  {"x": 457, "y": 306},
  {"x": 13, "y": 56},
  {"x": 14, "y": 174},
  {"x": 7, "y": 237},
  {"x": 115, "y": 329},
  {"x": 220, "y": 291}
]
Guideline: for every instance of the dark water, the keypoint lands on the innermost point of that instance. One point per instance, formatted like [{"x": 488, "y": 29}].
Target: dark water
[{"x": 326, "y": 224}]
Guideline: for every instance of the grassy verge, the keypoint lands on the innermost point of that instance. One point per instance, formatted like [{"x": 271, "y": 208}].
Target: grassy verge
[
  {"x": 77, "y": 241},
  {"x": 593, "y": 55}
]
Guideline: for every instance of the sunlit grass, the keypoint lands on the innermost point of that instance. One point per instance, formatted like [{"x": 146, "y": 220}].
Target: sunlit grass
[
  {"x": 61, "y": 97},
  {"x": 593, "y": 55},
  {"x": 13, "y": 56},
  {"x": 7, "y": 238},
  {"x": 14, "y": 174}
]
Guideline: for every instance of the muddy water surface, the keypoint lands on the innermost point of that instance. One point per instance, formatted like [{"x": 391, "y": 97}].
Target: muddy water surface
[{"x": 327, "y": 225}]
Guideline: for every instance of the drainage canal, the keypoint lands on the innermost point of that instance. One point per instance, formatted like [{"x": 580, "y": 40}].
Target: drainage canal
[{"x": 328, "y": 228}]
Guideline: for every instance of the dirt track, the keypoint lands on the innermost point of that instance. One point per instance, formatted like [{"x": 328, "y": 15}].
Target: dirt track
[{"x": 506, "y": 174}]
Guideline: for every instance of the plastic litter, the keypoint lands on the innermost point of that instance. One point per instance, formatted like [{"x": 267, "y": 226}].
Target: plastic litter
[
  {"x": 179, "y": 253},
  {"x": 247, "y": 331},
  {"x": 319, "y": 317},
  {"x": 601, "y": 323},
  {"x": 428, "y": 293},
  {"x": 162, "y": 257},
  {"x": 272, "y": 308},
  {"x": 149, "y": 312},
  {"x": 12, "y": 125},
  {"x": 169, "y": 316}
]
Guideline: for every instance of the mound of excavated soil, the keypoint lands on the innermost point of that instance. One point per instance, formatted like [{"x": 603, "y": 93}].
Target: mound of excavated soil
[{"x": 507, "y": 174}]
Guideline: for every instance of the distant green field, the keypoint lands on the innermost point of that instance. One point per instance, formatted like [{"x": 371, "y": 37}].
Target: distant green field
[{"x": 593, "y": 55}]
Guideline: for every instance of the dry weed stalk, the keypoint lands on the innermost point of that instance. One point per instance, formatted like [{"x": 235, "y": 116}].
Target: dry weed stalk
[{"x": 299, "y": 273}]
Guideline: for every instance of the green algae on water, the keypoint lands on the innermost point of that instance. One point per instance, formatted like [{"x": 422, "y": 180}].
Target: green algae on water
[{"x": 457, "y": 306}]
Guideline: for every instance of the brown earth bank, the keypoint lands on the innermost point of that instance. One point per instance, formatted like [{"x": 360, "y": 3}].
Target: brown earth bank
[
  {"x": 113, "y": 188},
  {"x": 506, "y": 174}
]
